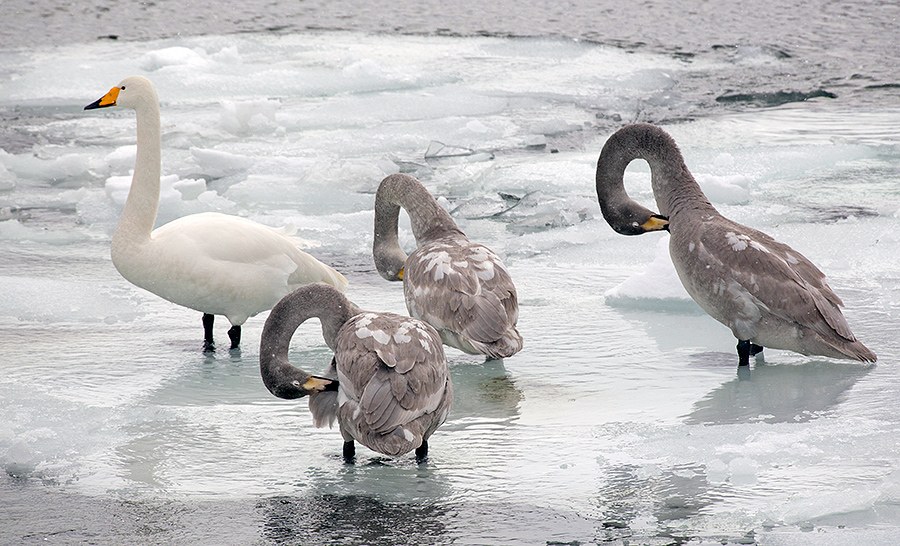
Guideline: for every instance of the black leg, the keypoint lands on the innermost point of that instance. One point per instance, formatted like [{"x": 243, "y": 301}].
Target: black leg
[
  {"x": 743, "y": 350},
  {"x": 349, "y": 451},
  {"x": 208, "y": 344},
  {"x": 422, "y": 452},
  {"x": 234, "y": 333},
  {"x": 755, "y": 349}
]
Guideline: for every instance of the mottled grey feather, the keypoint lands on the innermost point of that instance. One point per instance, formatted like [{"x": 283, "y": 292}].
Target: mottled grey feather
[
  {"x": 764, "y": 290},
  {"x": 463, "y": 287},
  {"x": 395, "y": 379},
  {"x": 394, "y": 386},
  {"x": 459, "y": 287}
]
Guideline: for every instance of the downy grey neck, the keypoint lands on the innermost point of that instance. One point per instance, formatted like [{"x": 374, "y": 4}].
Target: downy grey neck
[
  {"x": 318, "y": 300},
  {"x": 429, "y": 221},
  {"x": 674, "y": 188}
]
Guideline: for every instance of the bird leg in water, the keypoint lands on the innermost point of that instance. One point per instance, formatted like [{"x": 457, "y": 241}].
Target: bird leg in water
[
  {"x": 422, "y": 452},
  {"x": 234, "y": 334},
  {"x": 208, "y": 344},
  {"x": 349, "y": 451},
  {"x": 745, "y": 350}
]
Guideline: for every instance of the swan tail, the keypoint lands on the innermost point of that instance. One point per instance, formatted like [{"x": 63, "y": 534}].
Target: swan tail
[
  {"x": 329, "y": 275},
  {"x": 506, "y": 346},
  {"x": 399, "y": 441},
  {"x": 857, "y": 351},
  {"x": 324, "y": 408},
  {"x": 338, "y": 281},
  {"x": 316, "y": 271}
]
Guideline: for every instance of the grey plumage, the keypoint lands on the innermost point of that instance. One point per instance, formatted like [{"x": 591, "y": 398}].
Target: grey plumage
[
  {"x": 763, "y": 290},
  {"x": 459, "y": 287},
  {"x": 393, "y": 384}
]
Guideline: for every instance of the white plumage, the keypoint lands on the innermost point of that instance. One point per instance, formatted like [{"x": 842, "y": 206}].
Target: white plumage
[{"x": 213, "y": 263}]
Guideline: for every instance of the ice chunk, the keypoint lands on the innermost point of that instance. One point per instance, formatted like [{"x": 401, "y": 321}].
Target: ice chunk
[
  {"x": 20, "y": 460},
  {"x": 122, "y": 158},
  {"x": 190, "y": 188},
  {"x": 7, "y": 180},
  {"x": 177, "y": 197},
  {"x": 13, "y": 230},
  {"x": 437, "y": 149},
  {"x": 534, "y": 141},
  {"x": 366, "y": 69},
  {"x": 656, "y": 287},
  {"x": 252, "y": 116},
  {"x": 217, "y": 163},
  {"x": 804, "y": 508},
  {"x": 726, "y": 189},
  {"x": 172, "y": 56},
  {"x": 55, "y": 170},
  {"x": 743, "y": 471},
  {"x": 552, "y": 127}
]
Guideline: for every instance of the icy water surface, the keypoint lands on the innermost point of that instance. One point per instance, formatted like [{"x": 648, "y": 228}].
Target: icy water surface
[{"x": 623, "y": 419}]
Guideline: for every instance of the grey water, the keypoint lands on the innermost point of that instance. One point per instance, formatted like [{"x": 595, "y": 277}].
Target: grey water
[
  {"x": 632, "y": 429},
  {"x": 843, "y": 50}
]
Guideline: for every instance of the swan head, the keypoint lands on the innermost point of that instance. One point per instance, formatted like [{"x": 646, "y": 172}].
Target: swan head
[
  {"x": 312, "y": 385},
  {"x": 390, "y": 261},
  {"x": 656, "y": 222},
  {"x": 132, "y": 92},
  {"x": 635, "y": 220},
  {"x": 291, "y": 383}
]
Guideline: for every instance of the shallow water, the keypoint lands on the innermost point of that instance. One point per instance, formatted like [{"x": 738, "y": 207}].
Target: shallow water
[{"x": 623, "y": 419}]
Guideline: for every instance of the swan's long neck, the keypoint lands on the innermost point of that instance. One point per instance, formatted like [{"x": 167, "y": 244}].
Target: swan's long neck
[
  {"x": 429, "y": 220},
  {"x": 674, "y": 187},
  {"x": 319, "y": 300},
  {"x": 140, "y": 210}
]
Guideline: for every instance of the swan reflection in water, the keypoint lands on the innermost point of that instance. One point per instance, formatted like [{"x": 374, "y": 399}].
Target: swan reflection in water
[
  {"x": 484, "y": 391},
  {"x": 778, "y": 394}
]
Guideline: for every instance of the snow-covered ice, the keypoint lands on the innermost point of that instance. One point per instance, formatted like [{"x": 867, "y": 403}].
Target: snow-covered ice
[{"x": 624, "y": 410}]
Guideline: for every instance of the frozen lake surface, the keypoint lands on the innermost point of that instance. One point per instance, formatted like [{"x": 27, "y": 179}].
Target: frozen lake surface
[{"x": 624, "y": 417}]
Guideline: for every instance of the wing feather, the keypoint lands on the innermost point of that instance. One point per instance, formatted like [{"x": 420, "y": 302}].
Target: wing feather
[
  {"x": 777, "y": 277},
  {"x": 461, "y": 286},
  {"x": 396, "y": 365}
]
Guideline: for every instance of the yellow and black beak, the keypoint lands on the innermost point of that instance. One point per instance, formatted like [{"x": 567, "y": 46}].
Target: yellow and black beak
[
  {"x": 318, "y": 384},
  {"x": 106, "y": 100},
  {"x": 401, "y": 273},
  {"x": 657, "y": 222}
]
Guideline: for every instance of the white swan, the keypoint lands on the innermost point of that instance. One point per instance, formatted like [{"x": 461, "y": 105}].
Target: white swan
[
  {"x": 393, "y": 389},
  {"x": 767, "y": 293},
  {"x": 459, "y": 287},
  {"x": 212, "y": 263}
]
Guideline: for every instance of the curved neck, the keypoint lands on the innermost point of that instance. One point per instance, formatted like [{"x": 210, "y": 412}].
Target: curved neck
[
  {"x": 139, "y": 214},
  {"x": 674, "y": 186},
  {"x": 429, "y": 220},
  {"x": 318, "y": 300}
]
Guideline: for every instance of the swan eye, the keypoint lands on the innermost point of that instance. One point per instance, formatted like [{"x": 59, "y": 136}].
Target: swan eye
[
  {"x": 295, "y": 383},
  {"x": 122, "y": 88}
]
